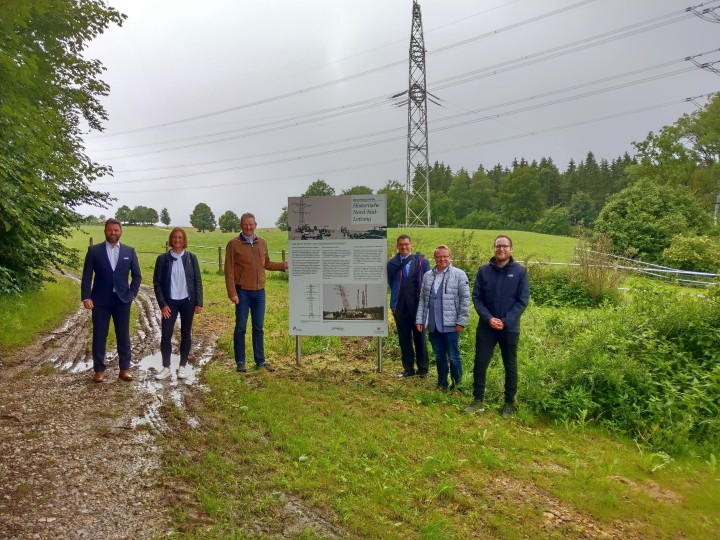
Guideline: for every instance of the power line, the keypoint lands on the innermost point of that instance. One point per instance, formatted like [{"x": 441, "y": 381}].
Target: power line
[
  {"x": 533, "y": 98},
  {"x": 355, "y": 75},
  {"x": 472, "y": 145},
  {"x": 369, "y": 103}
]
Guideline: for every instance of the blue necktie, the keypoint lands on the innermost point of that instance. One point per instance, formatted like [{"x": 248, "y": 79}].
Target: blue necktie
[{"x": 406, "y": 269}]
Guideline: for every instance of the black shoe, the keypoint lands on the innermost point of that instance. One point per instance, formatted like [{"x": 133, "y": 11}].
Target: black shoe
[
  {"x": 507, "y": 410},
  {"x": 241, "y": 368},
  {"x": 405, "y": 375},
  {"x": 476, "y": 406},
  {"x": 266, "y": 366},
  {"x": 423, "y": 374}
]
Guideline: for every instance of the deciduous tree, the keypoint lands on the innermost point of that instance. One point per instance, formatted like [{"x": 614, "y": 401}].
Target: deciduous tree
[
  {"x": 642, "y": 219},
  {"x": 319, "y": 188},
  {"x": 123, "y": 214},
  {"x": 357, "y": 190},
  {"x": 164, "y": 217},
  {"x": 395, "y": 200},
  {"x": 47, "y": 86},
  {"x": 229, "y": 222},
  {"x": 202, "y": 218},
  {"x": 282, "y": 221}
]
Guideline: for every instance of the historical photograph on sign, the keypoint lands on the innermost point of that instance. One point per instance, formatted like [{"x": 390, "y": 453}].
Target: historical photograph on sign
[
  {"x": 313, "y": 218},
  {"x": 350, "y": 301}
]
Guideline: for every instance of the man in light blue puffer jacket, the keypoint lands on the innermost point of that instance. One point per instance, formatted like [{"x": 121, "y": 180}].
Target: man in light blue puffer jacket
[{"x": 444, "y": 309}]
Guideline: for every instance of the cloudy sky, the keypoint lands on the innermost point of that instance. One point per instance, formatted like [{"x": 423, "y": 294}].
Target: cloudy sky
[{"x": 241, "y": 104}]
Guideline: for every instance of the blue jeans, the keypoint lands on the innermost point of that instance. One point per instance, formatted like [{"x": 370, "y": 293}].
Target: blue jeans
[
  {"x": 446, "y": 348},
  {"x": 253, "y": 303}
]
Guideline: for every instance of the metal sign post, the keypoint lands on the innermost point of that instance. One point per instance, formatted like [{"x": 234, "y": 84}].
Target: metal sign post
[{"x": 379, "y": 354}]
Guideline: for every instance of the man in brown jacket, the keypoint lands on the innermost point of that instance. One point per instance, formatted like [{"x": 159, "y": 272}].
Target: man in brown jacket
[{"x": 246, "y": 259}]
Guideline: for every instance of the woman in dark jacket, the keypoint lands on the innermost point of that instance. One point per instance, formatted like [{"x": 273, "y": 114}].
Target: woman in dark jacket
[{"x": 178, "y": 289}]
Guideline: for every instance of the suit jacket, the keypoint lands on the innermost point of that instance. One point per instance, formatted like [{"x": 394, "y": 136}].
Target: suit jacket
[
  {"x": 97, "y": 262},
  {"x": 162, "y": 278},
  {"x": 405, "y": 292}
]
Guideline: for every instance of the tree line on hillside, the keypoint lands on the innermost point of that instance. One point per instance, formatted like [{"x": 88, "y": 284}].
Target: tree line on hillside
[
  {"x": 141, "y": 215},
  {"x": 202, "y": 218}
]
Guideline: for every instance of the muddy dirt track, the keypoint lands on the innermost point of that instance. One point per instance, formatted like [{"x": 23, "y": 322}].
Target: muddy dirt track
[{"x": 80, "y": 459}]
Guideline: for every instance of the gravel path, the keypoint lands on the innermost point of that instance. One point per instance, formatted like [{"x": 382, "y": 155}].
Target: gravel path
[{"x": 80, "y": 459}]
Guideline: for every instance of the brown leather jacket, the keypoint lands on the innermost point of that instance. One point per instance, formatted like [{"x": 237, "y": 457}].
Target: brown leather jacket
[{"x": 245, "y": 265}]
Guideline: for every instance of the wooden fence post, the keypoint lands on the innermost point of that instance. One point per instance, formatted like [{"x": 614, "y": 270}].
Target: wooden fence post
[{"x": 219, "y": 258}]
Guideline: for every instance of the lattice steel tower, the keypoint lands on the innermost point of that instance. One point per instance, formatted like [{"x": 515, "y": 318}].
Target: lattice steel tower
[{"x": 417, "y": 189}]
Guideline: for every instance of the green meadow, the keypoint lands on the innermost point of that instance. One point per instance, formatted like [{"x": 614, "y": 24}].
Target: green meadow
[{"x": 590, "y": 452}]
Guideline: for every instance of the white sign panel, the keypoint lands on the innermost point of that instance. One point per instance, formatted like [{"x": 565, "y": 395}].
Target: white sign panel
[{"x": 338, "y": 255}]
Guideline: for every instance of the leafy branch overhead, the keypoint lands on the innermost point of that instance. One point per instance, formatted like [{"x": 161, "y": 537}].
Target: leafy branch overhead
[{"x": 47, "y": 89}]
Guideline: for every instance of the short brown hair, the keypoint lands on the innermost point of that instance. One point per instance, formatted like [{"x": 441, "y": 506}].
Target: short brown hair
[
  {"x": 184, "y": 234},
  {"x": 502, "y": 236},
  {"x": 113, "y": 221}
]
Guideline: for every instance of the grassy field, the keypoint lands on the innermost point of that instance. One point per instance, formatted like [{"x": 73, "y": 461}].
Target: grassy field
[
  {"x": 24, "y": 318},
  {"x": 377, "y": 457},
  {"x": 150, "y": 241}
]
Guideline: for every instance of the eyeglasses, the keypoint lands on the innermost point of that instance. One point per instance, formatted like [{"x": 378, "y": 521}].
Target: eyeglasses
[{"x": 503, "y": 246}]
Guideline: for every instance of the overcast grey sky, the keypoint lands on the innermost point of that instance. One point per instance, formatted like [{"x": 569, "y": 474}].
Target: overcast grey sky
[{"x": 241, "y": 104}]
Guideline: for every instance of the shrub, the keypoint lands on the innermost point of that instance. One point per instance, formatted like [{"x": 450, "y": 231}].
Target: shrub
[
  {"x": 561, "y": 286},
  {"x": 648, "y": 367},
  {"x": 465, "y": 254},
  {"x": 555, "y": 220},
  {"x": 598, "y": 270},
  {"x": 699, "y": 253}
]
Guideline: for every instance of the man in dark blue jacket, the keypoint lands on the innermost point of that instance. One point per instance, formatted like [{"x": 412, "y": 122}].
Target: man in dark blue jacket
[
  {"x": 500, "y": 295},
  {"x": 105, "y": 290},
  {"x": 405, "y": 273}
]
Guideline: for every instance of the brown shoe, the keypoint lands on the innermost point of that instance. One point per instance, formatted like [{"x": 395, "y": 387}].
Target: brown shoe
[
  {"x": 98, "y": 377},
  {"x": 125, "y": 375}
]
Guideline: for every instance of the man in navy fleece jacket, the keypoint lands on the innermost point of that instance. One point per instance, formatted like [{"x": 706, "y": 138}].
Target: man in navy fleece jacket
[{"x": 500, "y": 295}]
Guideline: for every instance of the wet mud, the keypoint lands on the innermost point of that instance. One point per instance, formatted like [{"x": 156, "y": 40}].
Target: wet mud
[{"x": 80, "y": 459}]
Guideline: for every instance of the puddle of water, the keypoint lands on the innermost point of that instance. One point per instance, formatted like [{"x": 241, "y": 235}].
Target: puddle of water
[
  {"x": 80, "y": 367},
  {"x": 152, "y": 365},
  {"x": 170, "y": 388}
]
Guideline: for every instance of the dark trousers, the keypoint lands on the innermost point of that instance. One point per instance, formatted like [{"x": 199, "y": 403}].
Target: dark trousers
[
  {"x": 412, "y": 343},
  {"x": 186, "y": 310},
  {"x": 250, "y": 303},
  {"x": 485, "y": 340},
  {"x": 101, "y": 315}
]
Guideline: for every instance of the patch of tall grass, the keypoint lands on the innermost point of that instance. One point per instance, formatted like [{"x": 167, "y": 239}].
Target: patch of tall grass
[{"x": 648, "y": 367}]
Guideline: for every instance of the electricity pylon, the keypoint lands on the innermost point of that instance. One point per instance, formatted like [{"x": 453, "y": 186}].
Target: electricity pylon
[{"x": 417, "y": 188}]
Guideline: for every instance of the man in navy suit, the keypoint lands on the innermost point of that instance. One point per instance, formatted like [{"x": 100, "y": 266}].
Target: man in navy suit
[
  {"x": 405, "y": 273},
  {"x": 110, "y": 296}
]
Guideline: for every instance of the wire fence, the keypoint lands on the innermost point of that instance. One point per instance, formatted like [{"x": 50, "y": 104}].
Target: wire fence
[
  {"x": 655, "y": 271},
  {"x": 616, "y": 263}
]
